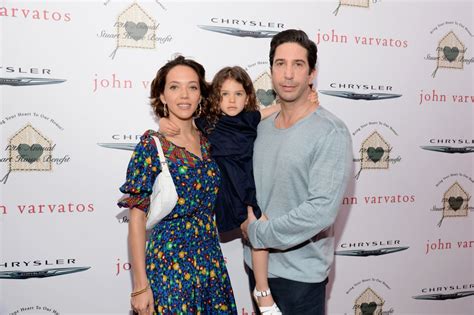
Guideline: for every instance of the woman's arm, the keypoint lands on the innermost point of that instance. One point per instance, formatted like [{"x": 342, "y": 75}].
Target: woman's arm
[
  {"x": 141, "y": 173},
  {"x": 142, "y": 302}
]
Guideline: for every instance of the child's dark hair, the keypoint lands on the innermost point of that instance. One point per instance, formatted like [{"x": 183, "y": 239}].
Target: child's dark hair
[{"x": 213, "y": 111}]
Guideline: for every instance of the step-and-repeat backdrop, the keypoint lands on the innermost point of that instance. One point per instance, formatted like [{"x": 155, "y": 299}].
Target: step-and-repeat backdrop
[{"x": 74, "y": 84}]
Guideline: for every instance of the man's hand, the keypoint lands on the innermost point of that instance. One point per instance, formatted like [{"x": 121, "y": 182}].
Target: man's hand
[{"x": 245, "y": 225}]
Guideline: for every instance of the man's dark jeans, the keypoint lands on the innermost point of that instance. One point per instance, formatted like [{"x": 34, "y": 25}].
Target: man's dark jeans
[{"x": 294, "y": 297}]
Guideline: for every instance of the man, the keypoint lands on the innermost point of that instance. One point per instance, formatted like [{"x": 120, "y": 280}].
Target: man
[{"x": 302, "y": 160}]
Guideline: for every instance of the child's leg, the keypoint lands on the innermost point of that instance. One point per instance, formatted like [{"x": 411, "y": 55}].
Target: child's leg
[
  {"x": 265, "y": 301},
  {"x": 260, "y": 270}
]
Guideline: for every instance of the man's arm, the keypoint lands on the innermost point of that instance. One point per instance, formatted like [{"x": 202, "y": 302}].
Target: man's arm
[{"x": 329, "y": 175}]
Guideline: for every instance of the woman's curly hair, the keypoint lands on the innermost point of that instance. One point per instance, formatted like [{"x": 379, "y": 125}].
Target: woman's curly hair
[{"x": 159, "y": 82}]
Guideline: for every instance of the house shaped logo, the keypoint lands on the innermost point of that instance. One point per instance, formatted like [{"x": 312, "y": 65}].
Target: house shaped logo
[
  {"x": 450, "y": 53},
  {"x": 266, "y": 96},
  {"x": 135, "y": 29},
  {"x": 375, "y": 152},
  {"x": 29, "y": 150},
  {"x": 368, "y": 303},
  {"x": 455, "y": 202},
  {"x": 352, "y": 3}
]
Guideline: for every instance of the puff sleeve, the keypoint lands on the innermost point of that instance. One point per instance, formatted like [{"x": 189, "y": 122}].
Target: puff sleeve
[{"x": 143, "y": 168}]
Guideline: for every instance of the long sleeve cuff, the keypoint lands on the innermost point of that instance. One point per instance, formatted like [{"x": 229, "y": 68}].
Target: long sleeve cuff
[{"x": 252, "y": 233}]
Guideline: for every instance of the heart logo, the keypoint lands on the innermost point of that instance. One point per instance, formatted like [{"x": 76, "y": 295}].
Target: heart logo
[
  {"x": 368, "y": 308},
  {"x": 455, "y": 203},
  {"x": 375, "y": 154},
  {"x": 30, "y": 153},
  {"x": 136, "y": 31},
  {"x": 265, "y": 97},
  {"x": 450, "y": 53}
]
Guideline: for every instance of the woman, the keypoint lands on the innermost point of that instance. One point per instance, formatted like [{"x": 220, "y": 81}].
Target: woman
[{"x": 183, "y": 270}]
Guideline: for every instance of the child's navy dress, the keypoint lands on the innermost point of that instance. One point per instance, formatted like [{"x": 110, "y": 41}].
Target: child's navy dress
[{"x": 232, "y": 142}]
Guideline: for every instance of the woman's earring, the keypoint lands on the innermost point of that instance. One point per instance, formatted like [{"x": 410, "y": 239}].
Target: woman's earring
[
  {"x": 198, "y": 113},
  {"x": 165, "y": 110}
]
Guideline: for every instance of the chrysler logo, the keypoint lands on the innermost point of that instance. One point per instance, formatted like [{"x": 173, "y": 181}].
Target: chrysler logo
[{"x": 45, "y": 273}]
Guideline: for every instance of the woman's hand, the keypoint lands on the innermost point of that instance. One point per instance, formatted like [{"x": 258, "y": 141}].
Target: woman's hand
[
  {"x": 167, "y": 128},
  {"x": 143, "y": 304}
]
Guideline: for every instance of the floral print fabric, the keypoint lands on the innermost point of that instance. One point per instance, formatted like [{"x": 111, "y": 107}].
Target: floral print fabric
[{"x": 184, "y": 262}]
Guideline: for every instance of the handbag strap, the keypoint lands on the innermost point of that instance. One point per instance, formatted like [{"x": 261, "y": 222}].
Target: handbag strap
[{"x": 160, "y": 152}]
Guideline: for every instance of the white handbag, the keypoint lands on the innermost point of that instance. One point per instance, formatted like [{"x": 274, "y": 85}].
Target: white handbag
[{"x": 164, "y": 196}]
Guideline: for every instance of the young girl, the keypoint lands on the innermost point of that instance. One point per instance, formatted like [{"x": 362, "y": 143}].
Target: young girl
[{"x": 230, "y": 124}]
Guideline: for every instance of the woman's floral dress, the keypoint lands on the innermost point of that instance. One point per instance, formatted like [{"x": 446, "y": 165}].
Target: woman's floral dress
[{"x": 184, "y": 261}]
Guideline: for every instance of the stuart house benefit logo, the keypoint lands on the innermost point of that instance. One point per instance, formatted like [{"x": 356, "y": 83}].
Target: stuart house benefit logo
[
  {"x": 375, "y": 151},
  {"x": 36, "y": 309},
  {"x": 106, "y": 2},
  {"x": 262, "y": 81},
  {"x": 354, "y": 3},
  {"x": 455, "y": 198},
  {"x": 27, "y": 76},
  {"x": 450, "y": 47},
  {"x": 29, "y": 149},
  {"x": 368, "y": 299},
  {"x": 135, "y": 28}
]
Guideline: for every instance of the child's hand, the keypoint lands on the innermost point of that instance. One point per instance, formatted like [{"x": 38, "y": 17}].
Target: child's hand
[
  {"x": 245, "y": 225},
  {"x": 167, "y": 128},
  {"x": 313, "y": 97}
]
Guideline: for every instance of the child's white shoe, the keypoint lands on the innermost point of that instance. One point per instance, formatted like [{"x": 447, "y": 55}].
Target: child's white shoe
[{"x": 266, "y": 310}]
